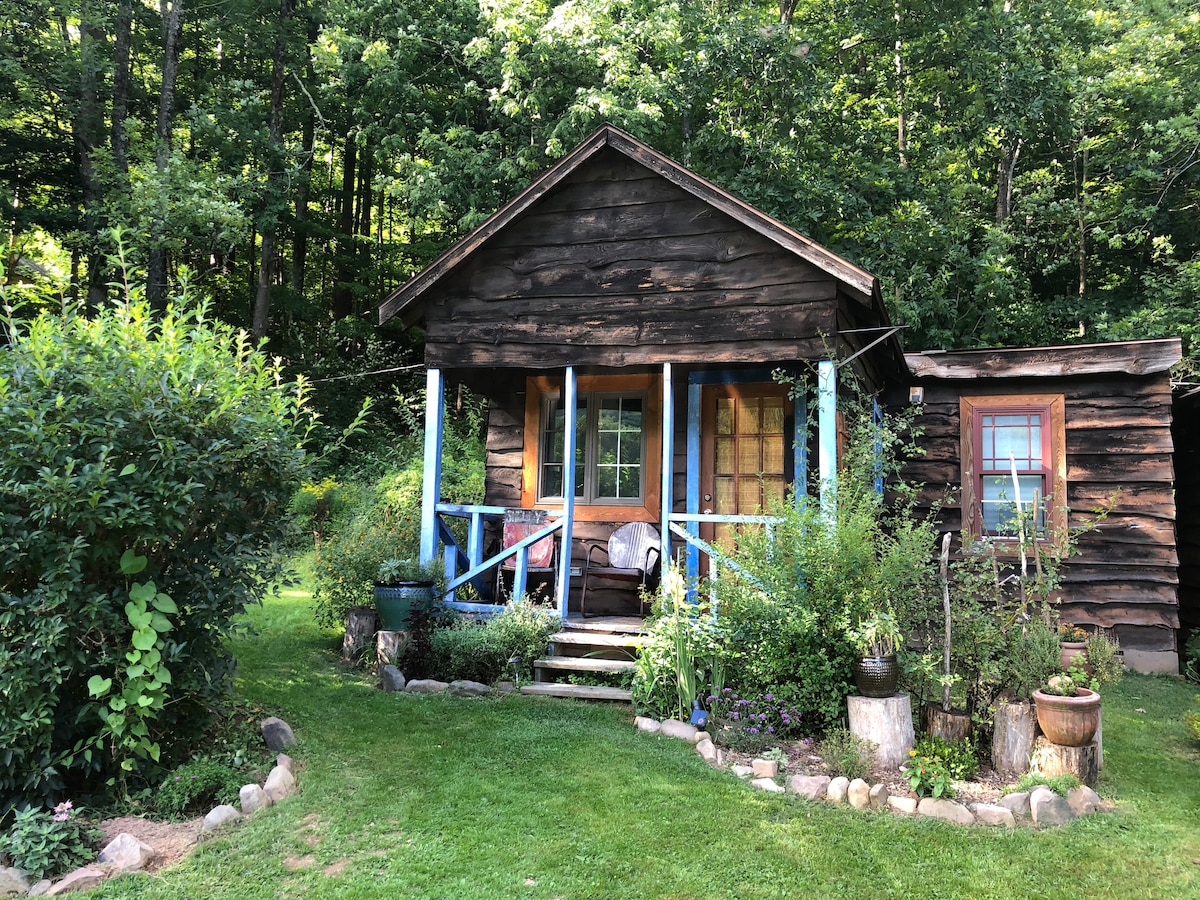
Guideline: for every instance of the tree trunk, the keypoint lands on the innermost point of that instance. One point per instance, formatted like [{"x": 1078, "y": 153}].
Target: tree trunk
[
  {"x": 304, "y": 181},
  {"x": 275, "y": 174},
  {"x": 122, "y": 37},
  {"x": 342, "y": 298},
  {"x": 1005, "y": 168},
  {"x": 87, "y": 131},
  {"x": 156, "y": 264},
  {"x": 1012, "y": 738}
]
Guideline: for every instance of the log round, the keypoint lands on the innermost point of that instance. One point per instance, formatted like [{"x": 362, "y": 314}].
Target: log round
[
  {"x": 389, "y": 647},
  {"x": 951, "y": 727},
  {"x": 887, "y": 723},
  {"x": 1012, "y": 740},
  {"x": 1055, "y": 759},
  {"x": 361, "y": 624}
]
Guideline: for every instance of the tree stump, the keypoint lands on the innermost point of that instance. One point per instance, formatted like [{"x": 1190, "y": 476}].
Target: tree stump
[
  {"x": 1012, "y": 740},
  {"x": 361, "y": 624},
  {"x": 1055, "y": 759},
  {"x": 951, "y": 726},
  {"x": 887, "y": 723},
  {"x": 389, "y": 647}
]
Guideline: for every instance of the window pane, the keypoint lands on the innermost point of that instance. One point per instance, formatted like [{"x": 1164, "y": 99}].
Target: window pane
[
  {"x": 748, "y": 458},
  {"x": 999, "y": 502},
  {"x": 772, "y": 463},
  {"x": 630, "y": 481},
  {"x": 551, "y": 476},
  {"x": 725, "y": 451},
  {"x": 606, "y": 481},
  {"x": 724, "y": 415},
  {"x": 747, "y": 413},
  {"x": 772, "y": 415},
  {"x": 1012, "y": 438}
]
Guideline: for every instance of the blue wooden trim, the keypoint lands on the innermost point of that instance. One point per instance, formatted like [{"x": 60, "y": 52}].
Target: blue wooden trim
[
  {"x": 480, "y": 608},
  {"x": 877, "y": 430},
  {"x": 668, "y": 457},
  {"x": 800, "y": 446},
  {"x": 570, "y": 402},
  {"x": 827, "y": 432},
  {"x": 466, "y": 509},
  {"x": 715, "y": 554},
  {"x": 730, "y": 519},
  {"x": 517, "y": 548},
  {"x": 694, "y": 395},
  {"x": 431, "y": 485}
]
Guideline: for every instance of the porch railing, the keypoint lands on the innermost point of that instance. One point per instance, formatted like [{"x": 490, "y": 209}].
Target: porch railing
[
  {"x": 686, "y": 525},
  {"x": 466, "y": 565}
]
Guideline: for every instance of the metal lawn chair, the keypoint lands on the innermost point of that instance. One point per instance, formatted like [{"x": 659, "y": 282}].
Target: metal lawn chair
[{"x": 632, "y": 552}]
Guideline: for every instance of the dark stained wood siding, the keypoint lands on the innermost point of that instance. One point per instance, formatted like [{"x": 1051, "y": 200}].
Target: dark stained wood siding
[
  {"x": 1118, "y": 440},
  {"x": 616, "y": 266},
  {"x": 1187, "y": 497}
]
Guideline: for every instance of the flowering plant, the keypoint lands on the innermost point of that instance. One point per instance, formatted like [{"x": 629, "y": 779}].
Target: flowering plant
[
  {"x": 1071, "y": 634},
  {"x": 40, "y": 842},
  {"x": 928, "y": 776},
  {"x": 751, "y": 723}
]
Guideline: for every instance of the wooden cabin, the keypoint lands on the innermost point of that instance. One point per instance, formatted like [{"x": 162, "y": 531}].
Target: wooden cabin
[{"x": 624, "y": 318}]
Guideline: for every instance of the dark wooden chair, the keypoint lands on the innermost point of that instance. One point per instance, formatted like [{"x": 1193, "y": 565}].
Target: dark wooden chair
[
  {"x": 631, "y": 553},
  {"x": 543, "y": 563}
]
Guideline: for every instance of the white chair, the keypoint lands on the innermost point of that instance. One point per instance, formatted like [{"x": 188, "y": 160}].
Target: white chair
[{"x": 631, "y": 552}]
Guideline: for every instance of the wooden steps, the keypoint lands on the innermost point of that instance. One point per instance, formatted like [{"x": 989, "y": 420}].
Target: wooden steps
[
  {"x": 607, "y": 645},
  {"x": 577, "y": 691}
]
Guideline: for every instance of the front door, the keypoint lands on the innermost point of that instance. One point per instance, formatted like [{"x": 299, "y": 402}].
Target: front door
[{"x": 745, "y": 452}]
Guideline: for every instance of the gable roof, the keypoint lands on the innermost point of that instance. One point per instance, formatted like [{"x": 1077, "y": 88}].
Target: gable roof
[{"x": 406, "y": 300}]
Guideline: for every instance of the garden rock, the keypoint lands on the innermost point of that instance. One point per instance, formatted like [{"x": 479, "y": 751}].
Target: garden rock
[
  {"x": 80, "y": 880},
  {"x": 221, "y": 815},
  {"x": 879, "y": 796},
  {"x": 645, "y": 723},
  {"x": 990, "y": 814},
  {"x": 858, "y": 794},
  {"x": 391, "y": 679},
  {"x": 814, "y": 787},
  {"x": 1017, "y": 804},
  {"x": 1083, "y": 800},
  {"x": 277, "y": 733},
  {"x": 252, "y": 798},
  {"x": 13, "y": 881},
  {"x": 682, "y": 730},
  {"x": 770, "y": 785},
  {"x": 286, "y": 761},
  {"x": 126, "y": 853},
  {"x": 703, "y": 736},
  {"x": 837, "y": 790},
  {"x": 280, "y": 783},
  {"x": 741, "y": 771},
  {"x": 905, "y": 805},
  {"x": 945, "y": 809},
  {"x": 1047, "y": 808},
  {"x": 426, "y": 686},
  {"x": 41, "y": 888},
  {"x": 708, "y": 751},
  {"x": 464, "y": 688},
  {"x": 766, "y": 768}
]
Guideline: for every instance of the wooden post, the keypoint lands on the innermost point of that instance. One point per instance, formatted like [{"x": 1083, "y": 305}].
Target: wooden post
[
  {"x": 827, "y": 433},
  {"x": 431, "y": 487},
  {"x": 887, "y": 723},
  {"x": 1055, "y": 759},
  {"x": 799, "y": 444},
  {"x": 564, "y": 556},
  {"x": 389, "y": 647},
  {"x": 695, "y": 398},
  {"x": 361, "y": 624},
  {"x": 1012, "y": 739},
  {"x": 668, "y": 459},
  {"x": 950, "y": 725}
]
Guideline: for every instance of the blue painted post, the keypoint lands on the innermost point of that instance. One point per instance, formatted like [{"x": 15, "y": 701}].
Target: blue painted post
[
  {"x": 827, "y": 432},
  {"x": 693, "y": 472},
  {"x": 431, "y": 486},
  {"x": 668, "y": 459},
  {"x": 800, "y": 444},
  {"x": 877, "y": 422},
  {"x": 564, "y": 556}
]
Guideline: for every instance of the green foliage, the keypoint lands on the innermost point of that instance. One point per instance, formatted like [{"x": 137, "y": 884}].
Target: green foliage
[
  {"x": 196, "y": 787},
  {"x": 167, "y": 445},
  {"x": 958, "y": 758},
  {"x": 750, "y": 723},
  {"x": 1191, "y": 721},
  {"x": 1104, "y": 659},
  {"x": 845, "y": 753},
  {"x": 44, "y": 843},
  {"x": 1191, "y": 658},
  {"x": 1060, "y": 784},
  {"x": 487, "y": 651},
  {"x": 928, "y": 776}
]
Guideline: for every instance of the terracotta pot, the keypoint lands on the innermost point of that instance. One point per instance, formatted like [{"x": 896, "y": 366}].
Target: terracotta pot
[
  {"x": 1068, "y": 721},
  {"x": 1067, "y": 650},
  {"x": 876, "y": 676}
]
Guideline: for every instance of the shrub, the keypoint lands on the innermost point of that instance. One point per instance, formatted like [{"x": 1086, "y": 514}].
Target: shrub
[
  {"x": 928, "y": 776},
  {"x": 750, "y": 723},
  {"x": 845, "y": 753},
  {"x": 196, "y": 787},
  {"x": 172, "y": 437},
  {"x": 485, "y": 651},
  {"x": 1104, "y": 659},
  {"x": 958, "y": 758},
  {"x": 1060, "y": 784},
  {"x": 44, "y": 843}
]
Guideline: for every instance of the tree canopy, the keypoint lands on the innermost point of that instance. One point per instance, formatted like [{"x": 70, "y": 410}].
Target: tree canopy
[{"x": 1020, "y": 172}]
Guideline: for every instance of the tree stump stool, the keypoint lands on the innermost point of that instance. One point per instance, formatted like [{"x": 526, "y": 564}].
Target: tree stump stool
[
  {"x": 1012, "y": 740},
  {"x": 389, "y": 647},
  {"x": 361, "y": 624},
  {"x": 1055, "y": 759},
  {"x": 887, "y": 723}
]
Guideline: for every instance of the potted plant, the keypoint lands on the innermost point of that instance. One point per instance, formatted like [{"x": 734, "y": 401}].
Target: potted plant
[
  {"x": 1072, "y": 643},
  {"x": 1068, "y": 713},
  {"x": 875, "y": 639},
  {"x": 402, "y": 587}
]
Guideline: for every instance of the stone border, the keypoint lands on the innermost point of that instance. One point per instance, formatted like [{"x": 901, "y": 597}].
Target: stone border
[{"x": 1040, "y": 807}]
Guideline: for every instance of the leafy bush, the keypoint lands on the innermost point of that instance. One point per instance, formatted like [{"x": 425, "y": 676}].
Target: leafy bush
[
  {"x": 958, "y": 758},
  {"x": 483, "y": 651},
  {"x": 196, "y": 787},
  {"x": 1192, "y": 721},
  {"x": 44, "y": 843},
  {"x": 845, "y": 753},
  {"x": 1104, "y": 659},
  {"x": 172, "y": 437},
  {"x": 928, "y": 776},
  {"x": 752, "y": 723},
  {"x": 1060, "y": 784}
]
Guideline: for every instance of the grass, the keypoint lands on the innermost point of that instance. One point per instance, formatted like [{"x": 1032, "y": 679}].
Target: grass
[{"x": 408, "y": 796}]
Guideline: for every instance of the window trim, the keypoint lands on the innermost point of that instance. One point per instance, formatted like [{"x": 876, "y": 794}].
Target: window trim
[
  {"x": 539, "y": 387},
  {"x": 970, "y": 410}
]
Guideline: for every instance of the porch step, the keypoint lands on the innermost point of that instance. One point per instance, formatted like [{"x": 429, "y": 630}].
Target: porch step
[
  {"x": 577, "y": 691},
  {"x": 609, "y": 624},
  {"x": 598, "y": 639},
  {"x": 584, "y": 664}
]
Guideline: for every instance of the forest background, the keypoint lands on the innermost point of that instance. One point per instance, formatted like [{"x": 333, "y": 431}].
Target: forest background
[{"x": 1017, "y": 172}]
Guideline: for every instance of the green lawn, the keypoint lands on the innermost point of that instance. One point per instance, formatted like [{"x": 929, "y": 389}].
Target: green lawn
[{"x": 407, "y": 796}]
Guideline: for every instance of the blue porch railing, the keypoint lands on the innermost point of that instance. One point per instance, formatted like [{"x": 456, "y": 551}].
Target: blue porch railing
[
  {"x": 466, "y": 565},
  {"x": 686, "y": 527}
]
